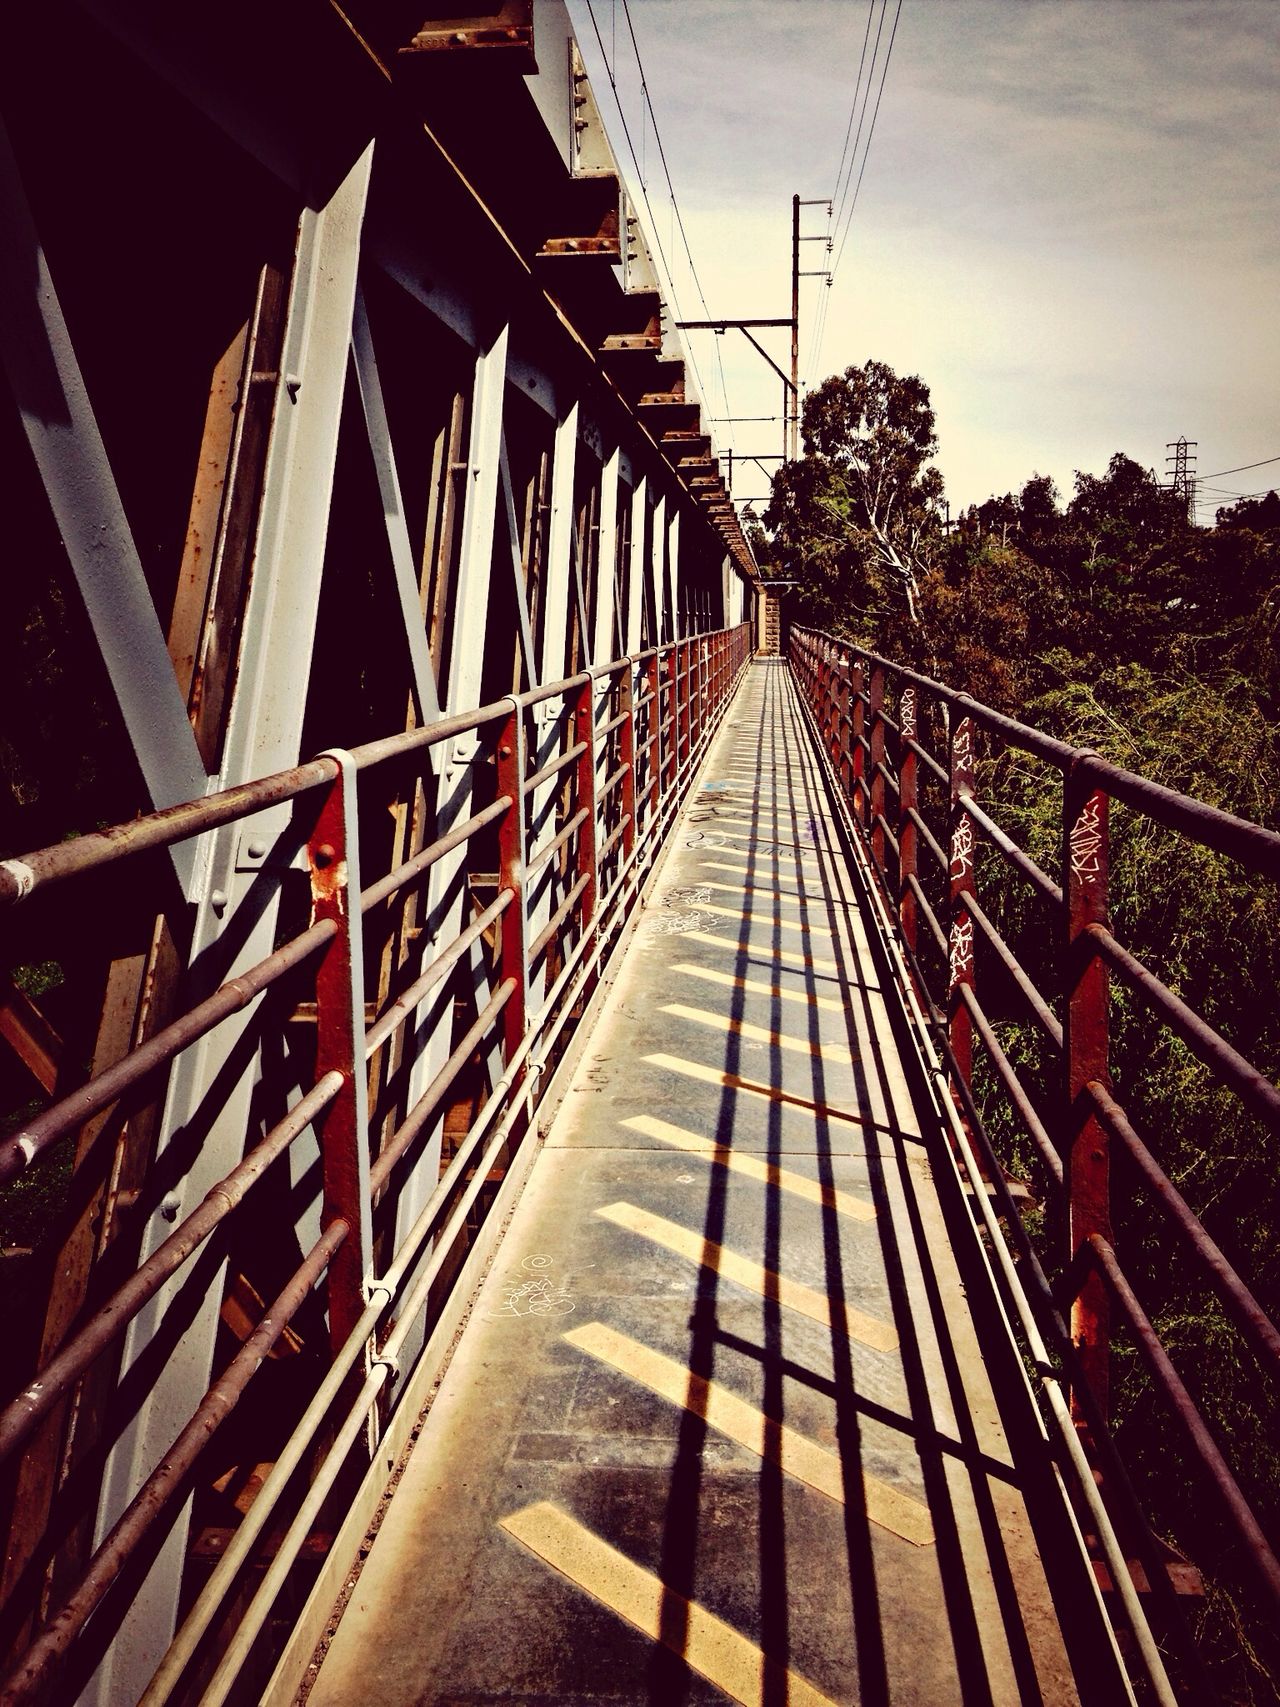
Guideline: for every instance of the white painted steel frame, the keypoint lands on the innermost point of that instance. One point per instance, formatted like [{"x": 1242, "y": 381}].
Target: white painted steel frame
[
  {"x": 264, "y": 733},
  {"x": 327, "y": 329}
]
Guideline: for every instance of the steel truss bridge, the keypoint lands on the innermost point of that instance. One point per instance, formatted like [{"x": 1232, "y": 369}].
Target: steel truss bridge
[{"x": 499, "y": 1064}]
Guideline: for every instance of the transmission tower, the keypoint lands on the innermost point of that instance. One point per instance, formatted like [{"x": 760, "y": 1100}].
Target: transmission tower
[{"x": 1183, "y": 479}]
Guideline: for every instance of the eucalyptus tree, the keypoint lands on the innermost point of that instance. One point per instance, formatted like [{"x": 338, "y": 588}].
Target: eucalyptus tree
[{"x": 856, "y": 517}]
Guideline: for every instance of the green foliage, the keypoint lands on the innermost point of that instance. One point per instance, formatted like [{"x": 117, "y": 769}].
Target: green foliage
[
  {"x": 1114, "y": 624},
  {"x": 856, "y": 516}
]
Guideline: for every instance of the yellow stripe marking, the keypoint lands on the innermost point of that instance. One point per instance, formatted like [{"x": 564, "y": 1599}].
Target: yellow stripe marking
[
  {"x": 770, "y": 890},
  {"x": 740, "y": 913},
  {"x": 811, "y": 960},
  {"x": 720, "y": 865},
  {"x": 750, "y": 1428},
  {"x": 788, "y": 855},
  {"x": 802, "y": 850},
  {"x": 734, "y": 1082},
  {"x": 754, "y": 1033},
  {"x": 816, "y": 898},
  {"x": 754, "y": 985},
  {"x": 712, "y": 1648},
  {"x": 792, "y": 1294},
  {"x": 753, "y": 1167}
]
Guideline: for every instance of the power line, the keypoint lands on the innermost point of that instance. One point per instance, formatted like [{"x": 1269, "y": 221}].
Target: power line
[
  {"x": 842, "y": 181},
  {"x": 1243, "y": 467},
  {"x": 644, "y": 190},
  {"x": 823, "y": 302},
  {"x": 866, "y": 151},
  {"x": 675, "y": 205},
  {"x": 853, "y": 105},
  {"x": 866, "y": 98}
]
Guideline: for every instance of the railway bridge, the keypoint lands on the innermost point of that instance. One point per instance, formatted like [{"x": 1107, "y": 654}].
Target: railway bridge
[{"x": 506, "y": 1165}]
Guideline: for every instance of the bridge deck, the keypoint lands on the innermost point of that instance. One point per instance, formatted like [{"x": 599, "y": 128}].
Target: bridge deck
[{"x": 729, "y": 1418}]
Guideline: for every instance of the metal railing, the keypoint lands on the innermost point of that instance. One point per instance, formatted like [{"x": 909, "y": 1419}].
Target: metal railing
[
  {"x": 579, "y": 783},
  {"x": 870, "y": 714}
]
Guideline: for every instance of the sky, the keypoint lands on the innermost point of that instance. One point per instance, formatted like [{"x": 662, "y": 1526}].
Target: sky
[{"x": 1068, "y": 223}]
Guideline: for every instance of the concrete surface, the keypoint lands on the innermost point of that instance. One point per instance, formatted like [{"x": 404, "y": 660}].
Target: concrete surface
[{"x": 721, "y": 1426}]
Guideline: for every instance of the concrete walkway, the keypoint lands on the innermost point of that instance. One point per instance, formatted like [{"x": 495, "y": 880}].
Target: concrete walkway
[{"x": 724, "y": 1424}]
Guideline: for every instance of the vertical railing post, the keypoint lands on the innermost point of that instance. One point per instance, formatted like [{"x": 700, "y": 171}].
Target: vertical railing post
[
  {"x": 875, "y": 766},
  {"x": 844, "y": 725},
  {"x": 584, "y": 719},
  {"x": 856, "y": 748},
  {"x": 656, "y": 768},
  {"x": 699, "y": 704},
  {"x": 512, "y": 831},
  {"x": 685, "y": 676},
  {"x": 673, "y": 739},
  {"x": 960, "y": 938},
  {"x": 832, "y": 702},
  {"x": 1085, "y": 1047},
  {"x": 819, "y": 699},
  {"x": 839, "y": 706},
  {"x": 908, "y": 800},
  {"x": 333, "y": 855},
  {"x": 627, "y": 757}
]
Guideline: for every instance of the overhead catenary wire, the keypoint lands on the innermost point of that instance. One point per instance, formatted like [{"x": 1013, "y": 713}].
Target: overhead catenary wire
[
  {"x": 610, "y": 71},
  {"x": 866, "y": 152},
  {"x": 845, "y": 153},
  {"x": 842, "y": 203},
  {"x": 819, "y": 327},
  {"x": 852, "y": 201},
  {"x": 843, "y": 177},
  {"x": 675, "y": 205}
]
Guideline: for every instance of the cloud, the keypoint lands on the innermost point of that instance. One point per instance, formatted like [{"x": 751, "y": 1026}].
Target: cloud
[{"x": 1068, "y": 223}]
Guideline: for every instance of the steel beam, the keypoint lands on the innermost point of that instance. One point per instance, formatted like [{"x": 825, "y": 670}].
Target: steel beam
[
  {"x": 555, "y": 624},
  {"x": 606, "y": 560},
  {"x": 633, "y": 638},
  {"x": 463, "y": 674},
  {"x": 62, "y": 430},
  {"x": 679, "y": 618},
  {"x": 658, "y": 573},
  {"x": 403, "y": 565},
  {"x": 264, "y": 732}
]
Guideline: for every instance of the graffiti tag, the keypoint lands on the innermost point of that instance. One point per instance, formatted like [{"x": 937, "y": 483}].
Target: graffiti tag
[{"x": 1086, "y": 842}]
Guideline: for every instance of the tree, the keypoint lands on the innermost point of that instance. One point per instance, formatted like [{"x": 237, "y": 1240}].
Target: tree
[
  {"x": 1258, "y": 515},
  {"x": 856, "y": 516},
  {"x": 1124, "y": 514},
  {"x": 1038, "y": 514}
]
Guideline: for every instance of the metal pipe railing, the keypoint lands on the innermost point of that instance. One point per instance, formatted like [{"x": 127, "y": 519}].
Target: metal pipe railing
[
  {"x": 107, "y": 1324},
  {"x": 846, "y": 689},
  {"x": 621, "y": 821},
  {"x": 43, "y": 1131}
]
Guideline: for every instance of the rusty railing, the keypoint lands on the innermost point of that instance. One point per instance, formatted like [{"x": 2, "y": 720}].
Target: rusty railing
[
  {"x": 573, "y": 789},
  {"x": 870, "y": 715}
]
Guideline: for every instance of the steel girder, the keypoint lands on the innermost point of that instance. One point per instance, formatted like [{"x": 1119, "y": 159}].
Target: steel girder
[{"x": 492, "y": 297}]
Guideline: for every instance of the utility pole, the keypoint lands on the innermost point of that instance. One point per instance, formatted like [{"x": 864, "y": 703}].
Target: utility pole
[
  {"x": 1184, "y": 473},
  {"x": 793, "y": 438},
  {"x": 790, "y": 386},
  {"x": 793, "y": 444},
  {"x": 744, "y": 326}
]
